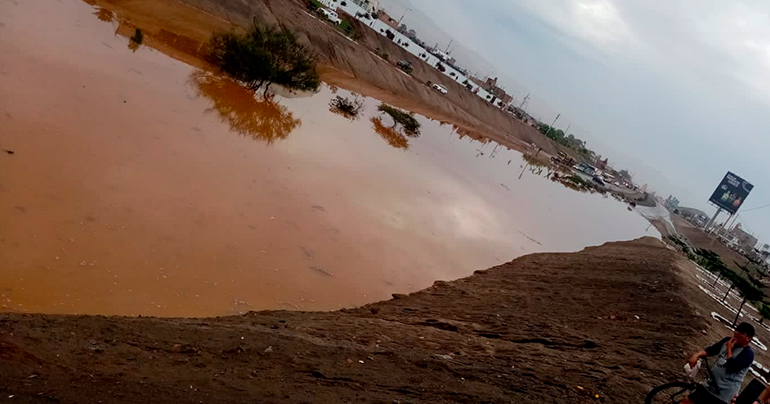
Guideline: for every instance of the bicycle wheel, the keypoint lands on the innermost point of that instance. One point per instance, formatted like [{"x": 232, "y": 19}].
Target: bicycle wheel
[{"x": 669, "y": 393}]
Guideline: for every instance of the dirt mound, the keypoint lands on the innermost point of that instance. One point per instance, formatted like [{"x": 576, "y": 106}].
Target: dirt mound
[{"x": 560, "y": 328}]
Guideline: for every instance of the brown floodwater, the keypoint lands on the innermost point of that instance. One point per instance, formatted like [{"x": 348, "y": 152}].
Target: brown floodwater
[{"x": 141, "y": 184}]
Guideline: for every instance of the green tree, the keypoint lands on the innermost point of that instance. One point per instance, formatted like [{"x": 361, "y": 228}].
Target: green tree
[
  {"x": 749, "y": 293},
  {"x": 263, "y": 56},
  {"x": 764, "y": 312},
  {"x": 732, "y": 277}
]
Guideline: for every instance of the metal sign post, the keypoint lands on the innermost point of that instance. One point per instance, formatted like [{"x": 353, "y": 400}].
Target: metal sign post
[{"x": 713, "y": 219}]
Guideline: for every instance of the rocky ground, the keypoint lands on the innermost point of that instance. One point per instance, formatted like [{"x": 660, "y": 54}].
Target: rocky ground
[{"x": 601, "y": 325}]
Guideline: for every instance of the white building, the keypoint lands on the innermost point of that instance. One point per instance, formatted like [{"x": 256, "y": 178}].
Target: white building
[{"x": 360, "y": 9}]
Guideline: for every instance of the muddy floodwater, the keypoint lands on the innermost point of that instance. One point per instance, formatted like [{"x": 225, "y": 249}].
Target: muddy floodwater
[{"x": 134, "y": 182}]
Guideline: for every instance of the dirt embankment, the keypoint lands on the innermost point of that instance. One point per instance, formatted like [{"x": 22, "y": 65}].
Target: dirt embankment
[
  {"x": 343, "y": 62},
  {"x": 556, "y": 328},
  {"x": 697, "y": 238}
]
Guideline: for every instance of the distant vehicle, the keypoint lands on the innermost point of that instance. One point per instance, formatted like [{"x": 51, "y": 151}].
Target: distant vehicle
[
  {"x": 330, "y": 15},
  {"x": 586, "y": 169},
  {"x": 404, "y": 65},
  {"x": 598, "y": 180},
  {"x": 441, "y": 89}
]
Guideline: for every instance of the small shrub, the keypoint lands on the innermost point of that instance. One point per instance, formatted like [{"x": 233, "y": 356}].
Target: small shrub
[
  {"x": 313, "y": 5},
  {"x": 135, "y": 41},
  {"x": 349, "y": 108},
  {"x": 406, "y": 120},
  {"x": 263, "y": 56},
  {"x": 349, "y": 30}
]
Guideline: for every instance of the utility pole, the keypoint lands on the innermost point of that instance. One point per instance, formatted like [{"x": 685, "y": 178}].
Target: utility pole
[
  {"x": 524, "y": 101},
  {"x": 447, "y": 47},
  {"x": 552, "y": 123},
  {"x": 566, "y": 132},
  {"x": 402, "y": 17}
]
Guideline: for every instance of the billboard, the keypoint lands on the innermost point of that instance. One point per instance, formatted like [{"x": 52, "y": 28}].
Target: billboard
[{"x": 731, "y": 193}]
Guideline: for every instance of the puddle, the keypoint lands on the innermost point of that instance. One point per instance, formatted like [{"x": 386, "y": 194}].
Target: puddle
[{"x": 186, "y": 196}]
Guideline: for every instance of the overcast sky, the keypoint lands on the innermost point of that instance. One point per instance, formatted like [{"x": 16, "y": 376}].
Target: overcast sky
[{"x": 680, "y": 90}]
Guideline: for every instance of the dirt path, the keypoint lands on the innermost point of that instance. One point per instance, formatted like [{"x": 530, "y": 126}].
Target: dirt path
[{"x": 560, "y": 328}]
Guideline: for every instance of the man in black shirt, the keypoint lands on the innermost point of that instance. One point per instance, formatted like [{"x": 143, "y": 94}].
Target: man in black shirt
[{"x": 734, "y": 358}]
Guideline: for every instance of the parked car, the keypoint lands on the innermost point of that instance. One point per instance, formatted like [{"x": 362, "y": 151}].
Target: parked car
[
  {"x": 404, "y": 65},
  {"x": 440, "y": 88},
  {"x": 330, "y": 15}
]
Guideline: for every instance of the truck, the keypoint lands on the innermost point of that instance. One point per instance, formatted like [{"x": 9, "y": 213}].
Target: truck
[{"x": 330, "y": 15}]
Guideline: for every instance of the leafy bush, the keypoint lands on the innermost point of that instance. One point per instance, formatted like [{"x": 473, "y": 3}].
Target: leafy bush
[
  {"x": 349, "y": 108},
  {"x": 349, "y": 30},
  {"x": 263, "y": 56},
  {"x": 313, "y": 5},
  {"x": 405, "y": 119}
]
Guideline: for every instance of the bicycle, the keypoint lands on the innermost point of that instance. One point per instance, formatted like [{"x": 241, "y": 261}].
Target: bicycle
[{"x": 676, "y": 392}]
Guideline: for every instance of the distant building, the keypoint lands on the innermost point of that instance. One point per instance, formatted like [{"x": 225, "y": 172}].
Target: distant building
[
  {"x": 671, "y": 202},
  {"x": 743, "y": 238},
  {"x": 496, "y": 94},
  {"x": 387, "y": 19},
  {"x": 601, "y": 164},
  {"x": 370, "y": 6}
]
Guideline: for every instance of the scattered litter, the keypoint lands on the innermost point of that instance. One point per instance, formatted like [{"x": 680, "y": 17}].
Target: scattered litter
[
  {"x": 269, "y": 349},
  {"x": 360, "y": 361},
  {"x": 445, "y": 357},
  {"x": 636, "y": 317}
]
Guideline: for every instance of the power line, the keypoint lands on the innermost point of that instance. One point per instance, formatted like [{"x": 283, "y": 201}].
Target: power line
[{"x": 749, "y": 210}]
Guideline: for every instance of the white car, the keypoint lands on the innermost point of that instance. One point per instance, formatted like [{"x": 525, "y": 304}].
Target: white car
[
  {"x": 330, "y": 15},
  {"x": 440, "y": 89}
]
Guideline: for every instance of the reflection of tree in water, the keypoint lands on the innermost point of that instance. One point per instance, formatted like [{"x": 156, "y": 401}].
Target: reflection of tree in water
[
  {"x": 573, "y": 182},
  {"x": 562, "y": 176},
  {"x": 104, "y": 15},
  {"x": 391, "y": 135},
  {"x": 136, "y": 40},
  {"x": 263, "y": 119}
]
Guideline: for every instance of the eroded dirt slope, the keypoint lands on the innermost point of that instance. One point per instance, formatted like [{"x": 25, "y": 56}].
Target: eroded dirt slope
[{"x": 529, "y": 331}]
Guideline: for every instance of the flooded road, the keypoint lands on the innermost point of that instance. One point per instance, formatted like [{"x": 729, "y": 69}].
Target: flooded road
[{"x": 141, "y": 184}]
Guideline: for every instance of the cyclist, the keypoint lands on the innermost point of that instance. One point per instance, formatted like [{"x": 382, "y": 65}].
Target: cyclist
[{"x": 734, "y": 357}]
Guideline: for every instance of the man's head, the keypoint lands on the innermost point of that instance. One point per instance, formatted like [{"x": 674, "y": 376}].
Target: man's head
[{"x": 743, "y": 335}]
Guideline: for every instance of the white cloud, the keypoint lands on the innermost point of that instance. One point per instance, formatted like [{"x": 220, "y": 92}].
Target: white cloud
[{"x": 682, "y": 86}]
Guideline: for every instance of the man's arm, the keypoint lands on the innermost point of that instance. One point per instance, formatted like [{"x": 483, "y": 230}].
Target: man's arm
[
  {"x": 740, "y": 362},
  {"x": 694, "y": 358},
  {"x": 709, "y": 351}
]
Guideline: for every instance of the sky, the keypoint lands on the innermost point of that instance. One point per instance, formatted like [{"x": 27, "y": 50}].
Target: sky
[{"x": 678, "y": 92}]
